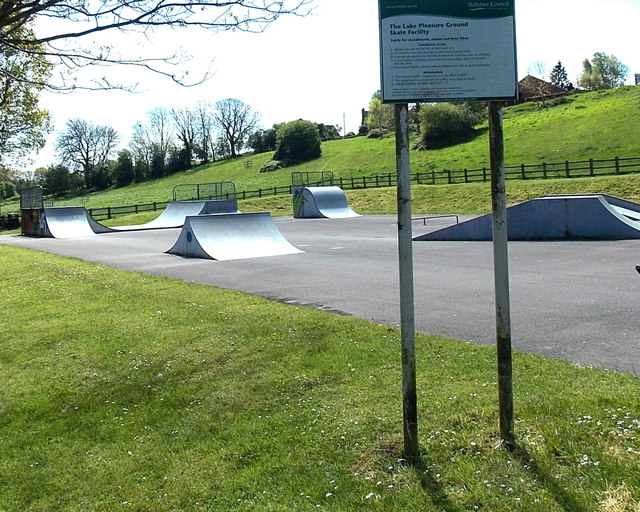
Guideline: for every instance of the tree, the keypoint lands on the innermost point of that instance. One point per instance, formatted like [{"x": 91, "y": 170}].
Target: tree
[
  {"x": 381, "y": 115},
  {"x": 205, "y": 132},
  {"x": 236, "y": 120},
  {"x": 297, "y": 141},
  {"x": 124, "y": 170},
  {"x": 151, "y": 142},
  {"x": 70, "y": 40},
  {"x": 186, "y": 122},
  {"x": 262, "y": 140},
  {"x": 85, "y": 148},
  {"x": 602, "y": 72},
  {"x": 23, "y": 124},
  {"x": 444, "y": 124},
  {"x": 559, "y": 78},
  {"x": 57, "y": 179}
]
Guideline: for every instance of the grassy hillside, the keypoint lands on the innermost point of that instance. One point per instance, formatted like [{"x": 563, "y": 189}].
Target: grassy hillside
[{"x": 601, "y": 124}]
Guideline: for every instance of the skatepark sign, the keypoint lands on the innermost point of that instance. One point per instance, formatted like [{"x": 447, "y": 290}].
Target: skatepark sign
[{"x": 458, "y": 50}]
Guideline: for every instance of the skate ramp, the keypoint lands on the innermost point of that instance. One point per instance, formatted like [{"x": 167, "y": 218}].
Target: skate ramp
[
  {"x": 321, "y": 202},
  {"x": 231, "y": 237},
  {"x": 562, "y": 217},
  {"x": 174, "y": 215},
  {"x": 75, "y": 221},
  {"x": 67, "y": 222}
]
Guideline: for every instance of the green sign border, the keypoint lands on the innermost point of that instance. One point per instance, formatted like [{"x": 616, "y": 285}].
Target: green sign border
[{"x": 464, "y": 9}]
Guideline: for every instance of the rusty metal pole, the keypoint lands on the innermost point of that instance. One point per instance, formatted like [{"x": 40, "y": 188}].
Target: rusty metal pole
[
  {"x": 501, "y": 275},
  {"x": 405, "y": 257}
]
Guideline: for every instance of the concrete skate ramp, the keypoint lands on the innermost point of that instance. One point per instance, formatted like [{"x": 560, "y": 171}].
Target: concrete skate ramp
[
  {"x": 322, "y": 202},
  {"x": 566, "y": 217},
  {"x": 174, "y": 215},
  {"x": 231, "y": 237},
  {"x": 67, "y": 222}
]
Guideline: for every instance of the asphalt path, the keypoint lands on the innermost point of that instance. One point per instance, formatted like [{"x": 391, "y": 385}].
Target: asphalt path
[{"x": 576, "y": 301}]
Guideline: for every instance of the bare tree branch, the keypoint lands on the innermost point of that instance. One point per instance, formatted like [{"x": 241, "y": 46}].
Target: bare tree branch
[{"x": 75, "y": 20}]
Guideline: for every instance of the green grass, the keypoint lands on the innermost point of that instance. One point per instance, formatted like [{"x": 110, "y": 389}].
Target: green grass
[
  {"x": 124, "y": 391},
  {"x": 599, "y": 125}
]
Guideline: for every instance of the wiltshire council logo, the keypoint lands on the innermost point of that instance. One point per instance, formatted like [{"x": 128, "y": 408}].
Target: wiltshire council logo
[{"x": 487, "y": 6}]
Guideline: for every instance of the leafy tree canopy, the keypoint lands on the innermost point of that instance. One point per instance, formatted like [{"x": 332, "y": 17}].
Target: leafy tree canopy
[
  {"x": 297, "y": 141},
  {"x": 602, "y": 72},
  {"x": 23, "y": 124}
]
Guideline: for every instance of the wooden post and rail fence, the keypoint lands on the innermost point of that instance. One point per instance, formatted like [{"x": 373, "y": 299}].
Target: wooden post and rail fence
[{"x": 543, "y": 171}]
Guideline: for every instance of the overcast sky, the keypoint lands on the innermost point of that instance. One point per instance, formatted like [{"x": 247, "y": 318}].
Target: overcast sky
[{"x": 325, "y": 67}]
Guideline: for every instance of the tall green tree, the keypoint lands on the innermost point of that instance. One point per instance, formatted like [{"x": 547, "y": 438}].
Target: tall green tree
[
  {"x": 23, "y": 124},
  {"x": 380, "y": 116},
  {"x": 559, "y": 78},
  {"x": 602, "y": 72}
]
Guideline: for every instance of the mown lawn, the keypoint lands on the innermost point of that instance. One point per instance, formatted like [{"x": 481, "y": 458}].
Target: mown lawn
[{"x": 124, "y": 391}]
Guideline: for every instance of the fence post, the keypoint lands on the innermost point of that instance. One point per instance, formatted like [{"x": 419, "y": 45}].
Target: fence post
[
  {"x": 544, "y": 170},
  {"x": 108, "y": 212},
  {"x": 449, "y": 176},
  {"x": 590, "y": 166},
  {"x": 566, "y": 169},
  {"x": 484, "y": 174},
  {"x": 466, "y": 178},
  {"x": 617, "y": 165},
  {"x": 523, "y": 172}
]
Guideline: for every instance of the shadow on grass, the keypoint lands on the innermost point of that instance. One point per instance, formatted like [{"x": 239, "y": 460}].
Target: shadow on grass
[
  {"x": 564, "y": 498},
  {"x": 433, "y": 487}
]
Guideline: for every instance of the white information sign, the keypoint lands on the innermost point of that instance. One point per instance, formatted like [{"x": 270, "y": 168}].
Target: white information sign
[{"x": 454, "y": 50}]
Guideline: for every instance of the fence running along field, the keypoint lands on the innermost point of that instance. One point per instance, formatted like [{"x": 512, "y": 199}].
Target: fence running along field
[{"x": 542, "y": 171}]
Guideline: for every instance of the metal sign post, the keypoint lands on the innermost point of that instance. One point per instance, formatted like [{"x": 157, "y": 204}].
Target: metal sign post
[
  {"x": 501, "y": 275},
  {"x": 405, "y": 258},
  {"x": 456, "y": 50}
]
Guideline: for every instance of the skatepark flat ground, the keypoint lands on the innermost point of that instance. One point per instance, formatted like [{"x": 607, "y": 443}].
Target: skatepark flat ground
[{"x": 573, "y": 300}]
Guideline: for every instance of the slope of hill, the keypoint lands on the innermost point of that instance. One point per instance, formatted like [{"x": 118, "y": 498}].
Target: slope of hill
[{"x": 601, "y": 124}]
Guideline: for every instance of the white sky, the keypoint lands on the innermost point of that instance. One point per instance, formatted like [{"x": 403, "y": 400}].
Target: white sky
[{"x": 325, "y": 67}]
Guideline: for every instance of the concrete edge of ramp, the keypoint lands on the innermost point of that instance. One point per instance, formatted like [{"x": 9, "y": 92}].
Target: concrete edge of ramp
[
  {"x": 321, "y": 202},
  {"x": 568, "y": 217},
  {"x": 231, "y": 236}
]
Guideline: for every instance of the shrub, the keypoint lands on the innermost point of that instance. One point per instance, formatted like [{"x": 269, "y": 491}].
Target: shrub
[
  {"x": 444, "y": 124},
  {"x": 297, "y": 141},
  {"x": 271, "y": 165},
  {"x": 7, "y": 189}
]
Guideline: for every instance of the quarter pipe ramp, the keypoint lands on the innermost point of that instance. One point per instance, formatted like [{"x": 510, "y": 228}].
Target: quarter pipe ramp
[
  {"x": 66, "y": 222},
  {"x": 562, "y": 217},
  {"x": 231, "y": 237},
  {"x": 321, "y": 202}
]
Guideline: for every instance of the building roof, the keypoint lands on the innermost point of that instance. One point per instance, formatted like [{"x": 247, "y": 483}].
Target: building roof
[{"x": 532, "y": 88}]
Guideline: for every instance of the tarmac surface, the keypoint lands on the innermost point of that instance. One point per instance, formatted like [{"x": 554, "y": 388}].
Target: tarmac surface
[{"x": 575, "y": 300}]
